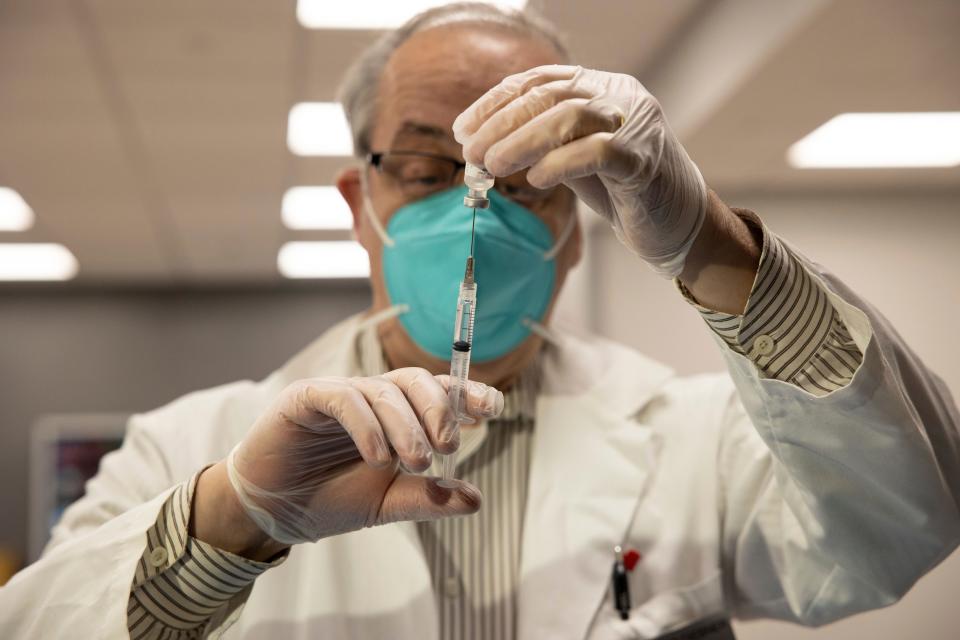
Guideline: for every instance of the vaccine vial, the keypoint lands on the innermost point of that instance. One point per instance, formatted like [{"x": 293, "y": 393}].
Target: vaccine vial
[{"x": 478, "y": 181}]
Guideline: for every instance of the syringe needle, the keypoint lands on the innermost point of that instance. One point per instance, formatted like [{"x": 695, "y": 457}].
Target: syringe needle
[{"x": 473, "y": 226}]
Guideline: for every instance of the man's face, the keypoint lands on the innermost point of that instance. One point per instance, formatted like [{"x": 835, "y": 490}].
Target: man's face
[{"x": 427, "y": 83}]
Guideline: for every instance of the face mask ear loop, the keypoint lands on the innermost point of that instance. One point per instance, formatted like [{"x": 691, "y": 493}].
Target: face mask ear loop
[
  {"x": 564, "y": 236},
  {"x": 382, "y": 316},
  {"x": 370, "y": 213},
  {"x": 541, "y": 330}
]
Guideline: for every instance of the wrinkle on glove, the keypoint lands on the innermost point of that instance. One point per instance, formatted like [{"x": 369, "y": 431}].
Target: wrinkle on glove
[{"x": 332, "y": 455}]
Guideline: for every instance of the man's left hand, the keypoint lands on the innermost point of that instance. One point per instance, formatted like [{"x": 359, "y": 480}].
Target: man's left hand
[{"x": 604, "y": 136}]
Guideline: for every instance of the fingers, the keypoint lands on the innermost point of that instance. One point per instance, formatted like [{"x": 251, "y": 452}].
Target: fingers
[
  {"x": 397, "y": 419},
  {"x": 468, "y": 122},
  {"x": 313, "y": 403},
  {"x": 407, "y": 408},
  {"x": 483, "y": 401},
  {"x": 564, "y": 122},
  {"x": 519, "y": 111},
  {"x": 583, "y": 157},
  {"x": 428, "y": 396},
  {"x": 429, "y": 400},
  {"x": 420, "y": 498}
]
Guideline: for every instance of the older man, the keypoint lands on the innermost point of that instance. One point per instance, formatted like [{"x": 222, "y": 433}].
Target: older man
[{"x": 818, "y": 479}]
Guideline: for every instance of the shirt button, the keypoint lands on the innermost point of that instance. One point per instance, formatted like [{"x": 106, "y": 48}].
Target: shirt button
[
  {"x": 158, "y": 557},
  {"x": 764, "y": 345},
  {"x": 451, "y": 587}
]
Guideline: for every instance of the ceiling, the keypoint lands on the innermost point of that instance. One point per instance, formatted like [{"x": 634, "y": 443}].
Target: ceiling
[
  {"x": 149, "y": 137},
  {"x": 852, "y": 55}
]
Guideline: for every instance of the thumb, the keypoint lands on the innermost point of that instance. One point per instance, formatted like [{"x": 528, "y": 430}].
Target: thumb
[
  {"x": 593, "y": 193},
  {"x": 421, "y": 498}
]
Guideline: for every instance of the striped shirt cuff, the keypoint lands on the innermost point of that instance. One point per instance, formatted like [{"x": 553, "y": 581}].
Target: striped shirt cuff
[
  {"x": 789, "y": 329},
  {"x": 182, "y": 584}
]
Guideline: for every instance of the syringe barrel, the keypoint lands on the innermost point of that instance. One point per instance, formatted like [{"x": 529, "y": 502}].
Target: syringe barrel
[
  {"x": 462, "y": 346},
  {"x": 466, "y": 311},
  {"x": 457, "y": 393},
  {"x": 460, "y": 370}
]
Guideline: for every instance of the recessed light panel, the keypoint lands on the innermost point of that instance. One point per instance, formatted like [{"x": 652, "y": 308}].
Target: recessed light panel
[
  {"x": 15, "y": 213},
  {"x": 315, "y": 208},
  {"x": 881, "y": 140},
  {"x": 36, "y": 261},
  {"x": 323, "y": 259},
  {"x": 318, "y": 129}
]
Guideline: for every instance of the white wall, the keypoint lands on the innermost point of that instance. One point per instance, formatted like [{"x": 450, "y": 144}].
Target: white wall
[{"x": 899, "y": 251}]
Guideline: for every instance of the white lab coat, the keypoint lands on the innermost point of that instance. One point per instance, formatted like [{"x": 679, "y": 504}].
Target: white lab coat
[{"x": 749, "y": 498}]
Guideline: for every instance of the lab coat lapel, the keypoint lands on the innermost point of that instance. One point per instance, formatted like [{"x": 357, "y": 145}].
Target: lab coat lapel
[{"x": 591, "y": 462}]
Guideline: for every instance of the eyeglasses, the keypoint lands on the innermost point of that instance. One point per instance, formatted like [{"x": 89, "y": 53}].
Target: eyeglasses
[{"x": 419, "y": 174}]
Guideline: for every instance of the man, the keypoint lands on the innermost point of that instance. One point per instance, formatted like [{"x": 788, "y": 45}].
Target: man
[{"x": 820, "y": 482}]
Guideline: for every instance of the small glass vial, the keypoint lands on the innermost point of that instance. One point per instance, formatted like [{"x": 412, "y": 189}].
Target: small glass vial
[{"x": 478, "y": 181}]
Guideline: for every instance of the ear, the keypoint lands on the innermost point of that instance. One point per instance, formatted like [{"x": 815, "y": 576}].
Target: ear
[{"x": 348, "y": 184}]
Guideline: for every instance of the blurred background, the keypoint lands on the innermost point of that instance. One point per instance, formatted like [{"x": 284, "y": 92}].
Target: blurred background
[{"x": 156, "y": 158}]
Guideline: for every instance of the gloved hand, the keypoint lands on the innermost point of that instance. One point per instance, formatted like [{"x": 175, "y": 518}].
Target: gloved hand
[
  {"x": 604, "y": 136},
  {"x": 319, "y": 463}
]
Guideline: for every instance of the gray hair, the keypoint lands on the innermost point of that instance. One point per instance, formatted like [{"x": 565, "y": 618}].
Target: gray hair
[{"x": 358, "y": 90}]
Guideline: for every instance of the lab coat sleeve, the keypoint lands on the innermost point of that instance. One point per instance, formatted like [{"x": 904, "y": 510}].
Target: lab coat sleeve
[
  {"x": 834, "y": 503},
  {"x": 80, "y": 587}
]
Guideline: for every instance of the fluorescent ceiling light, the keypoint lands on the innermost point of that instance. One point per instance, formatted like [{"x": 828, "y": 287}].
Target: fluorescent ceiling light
[
  {"x": 323, "y": 259},
  {"x": 315, "y": 208},
  {"x": 318, "y": 129},
  {"x": 874, "y": 140},
  {"x": 371, "y": 14},
  {"x": 36, "y": 261},
  {"x": 15, "y": 213}
]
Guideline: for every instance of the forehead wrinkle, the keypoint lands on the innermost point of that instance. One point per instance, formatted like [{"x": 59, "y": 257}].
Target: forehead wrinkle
[
  {"x": 415, "y": 135},
  {"x": 424, "y": 89},
  {"x": 420, "y": 128}
]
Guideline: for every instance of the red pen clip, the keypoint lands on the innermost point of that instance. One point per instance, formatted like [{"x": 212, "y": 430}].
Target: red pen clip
[{"x": 631, "y": 558}]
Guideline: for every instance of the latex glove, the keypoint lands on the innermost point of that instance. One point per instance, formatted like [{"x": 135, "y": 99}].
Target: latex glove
[
  {"x": 604, "y": 136},
  {"x": 319, "y": 461}
]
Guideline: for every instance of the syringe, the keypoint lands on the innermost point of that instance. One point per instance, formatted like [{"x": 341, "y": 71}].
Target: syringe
[
  {"x": 460, "y": 366},
  {"x": 478, "y": 181}
]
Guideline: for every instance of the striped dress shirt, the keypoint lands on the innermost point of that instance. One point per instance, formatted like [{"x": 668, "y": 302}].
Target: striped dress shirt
[
  {"x": 184, "y": 588},
  {"x": 789, "y": 328}
]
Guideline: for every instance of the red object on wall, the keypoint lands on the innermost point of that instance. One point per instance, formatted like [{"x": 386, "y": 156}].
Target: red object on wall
[{"x": 631, "y": 558}]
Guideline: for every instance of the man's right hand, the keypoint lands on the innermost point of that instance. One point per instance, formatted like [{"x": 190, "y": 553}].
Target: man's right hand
[{"x": 326, "y": 459}]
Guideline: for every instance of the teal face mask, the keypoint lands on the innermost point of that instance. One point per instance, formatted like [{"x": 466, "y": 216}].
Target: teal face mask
[{"x": 425, "y": 249}]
